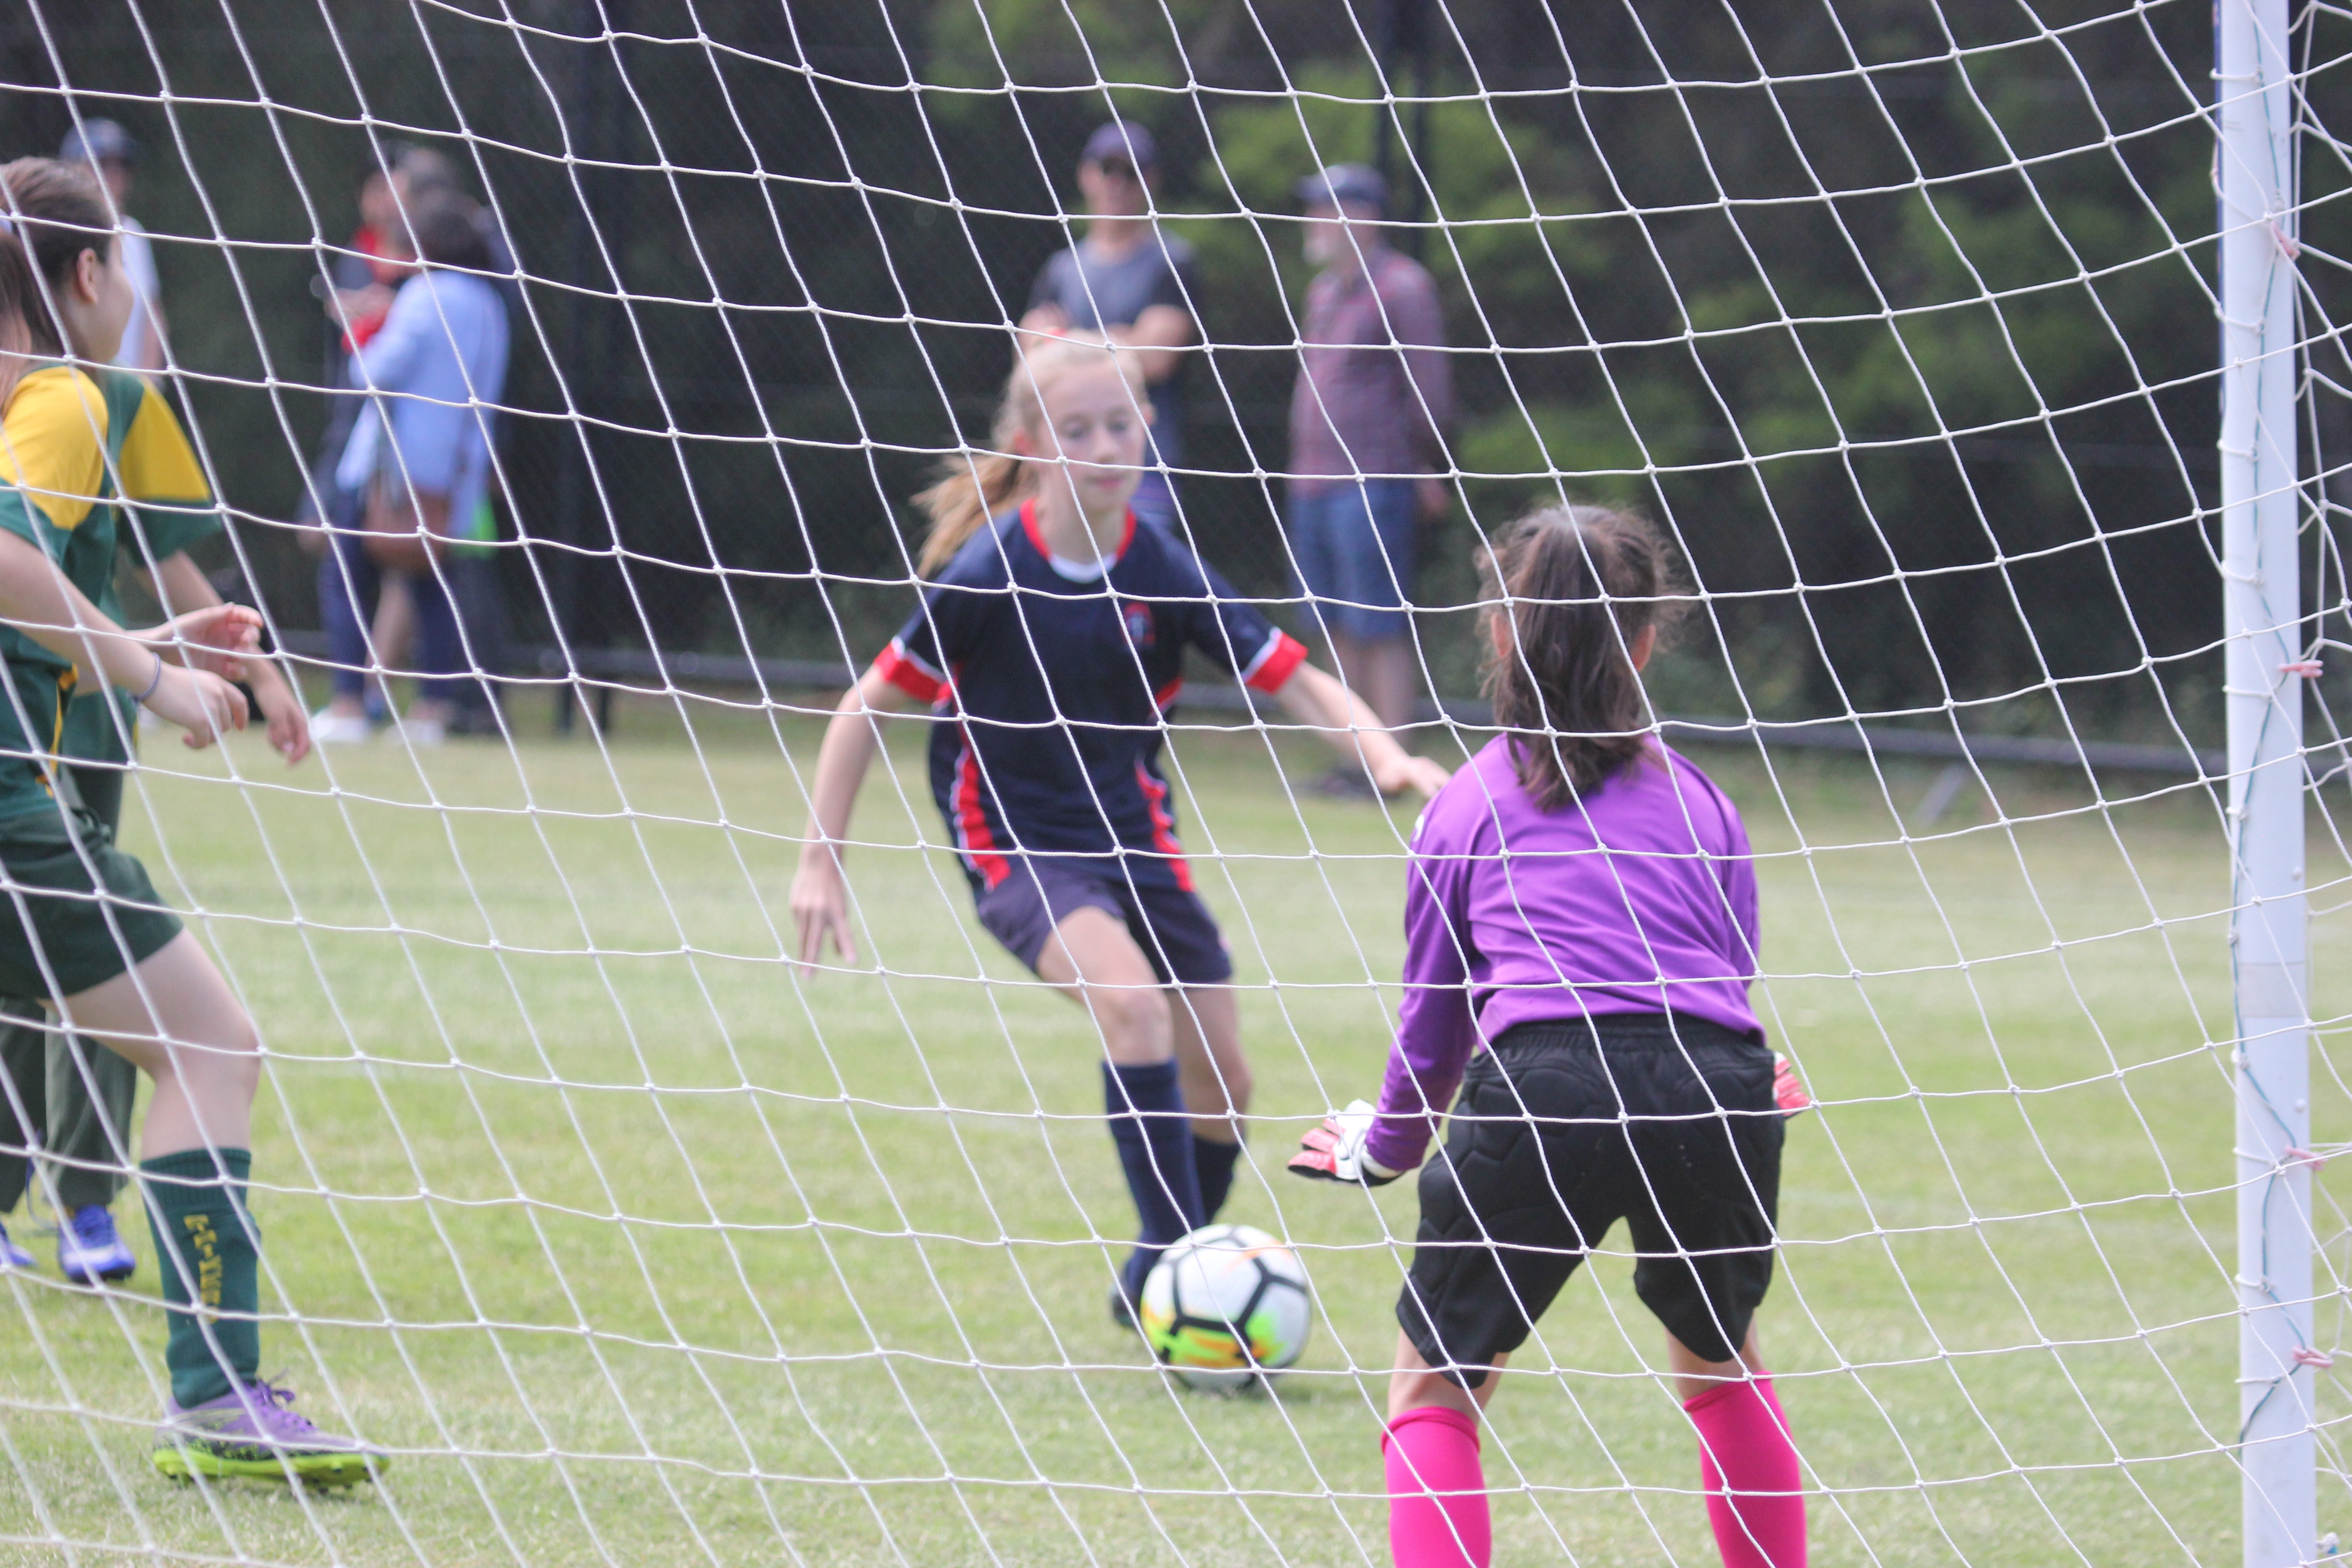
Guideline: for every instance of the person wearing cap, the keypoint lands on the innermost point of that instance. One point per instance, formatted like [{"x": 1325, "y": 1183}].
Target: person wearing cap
[
  {"x": 113, "y": 153},
  {"x": 1132, "y": 283},
  {"x": 1367, "y": 416}
]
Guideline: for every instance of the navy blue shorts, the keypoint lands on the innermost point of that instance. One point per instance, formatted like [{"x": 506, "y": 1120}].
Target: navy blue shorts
[{"x": 1169, "y": 923}]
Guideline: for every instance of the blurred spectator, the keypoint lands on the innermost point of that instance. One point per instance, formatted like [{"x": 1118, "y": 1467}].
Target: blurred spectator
[
  {"x": 358, "y": 292},
  {"x": 1131, "y": 283},
  {"x": 1375, "y": 393},
  {"x": 472, "y": 572},
  {"x": 419, "y": 455},
  {"x": 113, "y": 153}
]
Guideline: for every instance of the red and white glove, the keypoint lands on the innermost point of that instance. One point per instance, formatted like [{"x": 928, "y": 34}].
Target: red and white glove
[
  {"x": 1787, "y": 1088},
  {"x": 1335, "y": 1150}
]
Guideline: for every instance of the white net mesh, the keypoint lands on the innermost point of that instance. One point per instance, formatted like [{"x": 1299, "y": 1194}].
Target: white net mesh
[{"x": 632, "y": 1243}]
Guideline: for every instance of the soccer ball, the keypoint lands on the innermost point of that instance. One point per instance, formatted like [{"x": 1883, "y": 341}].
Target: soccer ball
[{"x": 1224, "y": 1306}]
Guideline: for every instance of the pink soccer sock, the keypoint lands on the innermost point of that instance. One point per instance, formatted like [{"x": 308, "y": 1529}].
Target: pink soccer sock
[
  {"x": 1754, "y": 1497},
  {"x": 1433, "y": 1451}
]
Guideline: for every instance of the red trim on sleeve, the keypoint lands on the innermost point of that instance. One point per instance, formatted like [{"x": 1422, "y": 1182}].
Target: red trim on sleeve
[
  {"x": 905, "y": 671},
  {"x": 1275, "y": 669}
]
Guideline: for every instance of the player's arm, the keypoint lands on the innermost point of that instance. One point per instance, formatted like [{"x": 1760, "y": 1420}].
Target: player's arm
[
  {"x": 1320, "y": 702},
  {"x": 1436, "y": 1032},
  {"x": 181, "y": 585},
  {"x": 36, "y": 599},
  {"x": 820, "y": 895}
]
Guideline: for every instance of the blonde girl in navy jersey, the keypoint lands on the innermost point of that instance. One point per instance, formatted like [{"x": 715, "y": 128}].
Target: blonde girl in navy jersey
[
  {"x": 1050, "y": 649},
  {"x": 1580, "y": 931}
]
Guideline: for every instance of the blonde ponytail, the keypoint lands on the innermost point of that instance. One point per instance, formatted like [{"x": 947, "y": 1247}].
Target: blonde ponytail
[{"x": 976, "y": 485}]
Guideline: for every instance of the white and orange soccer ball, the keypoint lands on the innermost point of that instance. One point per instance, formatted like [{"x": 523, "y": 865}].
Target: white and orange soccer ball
[{"x": 1226, "y": 1307}]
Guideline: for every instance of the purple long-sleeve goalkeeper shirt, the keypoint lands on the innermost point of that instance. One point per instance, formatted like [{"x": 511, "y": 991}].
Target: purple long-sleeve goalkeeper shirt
[{"x": 1639, "y": 899}]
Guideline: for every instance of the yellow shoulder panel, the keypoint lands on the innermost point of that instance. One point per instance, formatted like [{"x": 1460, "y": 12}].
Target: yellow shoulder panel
[
  {"x": 52, "y": 444},
  {"x": 157, "y": 463}
]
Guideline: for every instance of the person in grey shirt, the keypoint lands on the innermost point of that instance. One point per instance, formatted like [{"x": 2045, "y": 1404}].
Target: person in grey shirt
[{"x": 1132, "y": 283}]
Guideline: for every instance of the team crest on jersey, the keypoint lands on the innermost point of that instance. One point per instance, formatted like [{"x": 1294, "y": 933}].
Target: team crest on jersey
[{"x": 1140, "y": 630}]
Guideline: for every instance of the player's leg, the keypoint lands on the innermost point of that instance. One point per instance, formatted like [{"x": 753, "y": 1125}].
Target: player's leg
[
  {"x": 93, "y": 1093},
  {"x": 1179, "y": 938},
  {"x": 1536, "y": 1117},
  {"x": 174, "y": 1018},
  {"x": 24, "y": 1110},
  {"x": 1748, "y": 1456},
  {"x": 1216, "y": 1081},
  {"x": 1093, "y": 959},
  {"x": 1705, "y": 1245}
]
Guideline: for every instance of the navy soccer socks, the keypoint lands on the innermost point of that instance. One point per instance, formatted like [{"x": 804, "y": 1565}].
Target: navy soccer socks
[
  {"x": 1212, "y": 1167},
  {"x": 1155, "y": 1148}
]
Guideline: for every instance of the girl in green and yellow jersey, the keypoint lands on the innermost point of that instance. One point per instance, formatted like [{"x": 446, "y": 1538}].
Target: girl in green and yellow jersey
[
  {"x": 82, "y": 925},
  {"x": 72, "y": 1097}
]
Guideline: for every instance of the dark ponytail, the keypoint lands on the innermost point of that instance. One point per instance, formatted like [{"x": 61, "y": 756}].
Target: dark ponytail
[
  {"x": 1575, "y": 586},
  {"x": 59, "y": 211}
]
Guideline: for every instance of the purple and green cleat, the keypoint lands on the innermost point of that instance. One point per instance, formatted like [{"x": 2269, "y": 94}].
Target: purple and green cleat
[{"x": 255, "y": 1431}]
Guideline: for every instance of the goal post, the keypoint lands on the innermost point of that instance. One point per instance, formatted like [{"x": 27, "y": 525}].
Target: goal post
[{"x": 2262, "y": 589}]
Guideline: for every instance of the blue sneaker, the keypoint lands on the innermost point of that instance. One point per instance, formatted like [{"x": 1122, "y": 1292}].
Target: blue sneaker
[
  {"x": 89, "y": 1249},
  {"x": 11, "y": 1255}
]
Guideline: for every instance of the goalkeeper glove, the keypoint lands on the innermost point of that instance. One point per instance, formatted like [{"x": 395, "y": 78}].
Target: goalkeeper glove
[
  {"x": 1335, "y": 1150},
  {"x": 1786, "y": 1088}
]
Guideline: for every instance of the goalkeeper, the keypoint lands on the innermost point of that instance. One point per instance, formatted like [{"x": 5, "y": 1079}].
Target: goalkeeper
[
  {"x": 82, "y": 926},
  {"x": 78, "y": 1095},
  {"x": 1052, "y": 648},
  {"x": 1583, "y": 900}
]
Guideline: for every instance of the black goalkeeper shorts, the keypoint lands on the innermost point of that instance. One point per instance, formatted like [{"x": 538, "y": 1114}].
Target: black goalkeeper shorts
[{"x": 1561, "y": 1129}]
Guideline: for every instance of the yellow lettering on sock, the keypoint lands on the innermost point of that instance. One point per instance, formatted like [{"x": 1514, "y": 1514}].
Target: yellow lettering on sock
[{"x": 206, "y": 1243}]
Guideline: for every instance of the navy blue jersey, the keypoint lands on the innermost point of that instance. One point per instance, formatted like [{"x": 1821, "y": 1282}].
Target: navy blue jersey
[{"x": 1052, "y": 682}]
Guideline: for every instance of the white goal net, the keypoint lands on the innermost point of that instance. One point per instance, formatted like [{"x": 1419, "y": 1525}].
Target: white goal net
[{"x": 632, "y": 1241}]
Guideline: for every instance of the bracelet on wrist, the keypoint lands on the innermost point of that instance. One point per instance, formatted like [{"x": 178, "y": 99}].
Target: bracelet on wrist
[{"x": 153, "y": 685}]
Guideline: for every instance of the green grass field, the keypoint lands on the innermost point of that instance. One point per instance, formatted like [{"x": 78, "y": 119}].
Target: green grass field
[{"x": 639, "y": 1248}]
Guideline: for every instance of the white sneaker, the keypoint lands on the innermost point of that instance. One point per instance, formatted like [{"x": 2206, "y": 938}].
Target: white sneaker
[
  {"x": 423, "y": 732},
  {"x": 329, "y": 728}
]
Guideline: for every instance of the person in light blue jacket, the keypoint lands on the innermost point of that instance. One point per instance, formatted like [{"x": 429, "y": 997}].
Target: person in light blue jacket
[{"x": 434, "y": 373}]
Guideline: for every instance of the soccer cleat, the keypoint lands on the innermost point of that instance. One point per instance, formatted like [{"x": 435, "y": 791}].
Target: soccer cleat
[
  {"x": 1787, "y": 1090},
  {"x": 255, "y": 1431},
  {"x": 11, "y": 1255},
  {"x": 89, "y": 1248},
  {"x": 1122, "y": 1311}
]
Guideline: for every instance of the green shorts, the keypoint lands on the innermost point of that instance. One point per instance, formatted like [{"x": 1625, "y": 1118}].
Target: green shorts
[{"x": 63, "y": 930}]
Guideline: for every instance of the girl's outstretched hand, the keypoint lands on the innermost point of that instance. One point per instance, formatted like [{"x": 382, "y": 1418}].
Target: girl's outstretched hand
[
  {"x": 203, "y": 704},
  {"x": 214, "y": 638},
  {"x": 1335, "y": 1150},
  {"x": 820, "y": 902},
  {"x": 1394, "y": 775}
]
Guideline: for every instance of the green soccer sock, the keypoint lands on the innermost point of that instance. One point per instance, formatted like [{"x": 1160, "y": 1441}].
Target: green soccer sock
[{"x": 208, "y": 1250}]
